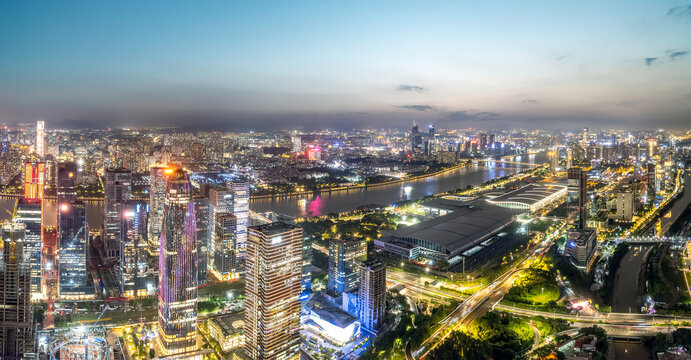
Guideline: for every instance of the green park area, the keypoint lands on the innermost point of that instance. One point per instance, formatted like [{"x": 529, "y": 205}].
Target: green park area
[
  {"x": 497, "y": 335},
  {"x": 536, "y": 285}
]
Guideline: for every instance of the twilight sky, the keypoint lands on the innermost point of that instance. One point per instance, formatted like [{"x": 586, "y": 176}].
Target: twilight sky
[{"x": 300, "y": 64}]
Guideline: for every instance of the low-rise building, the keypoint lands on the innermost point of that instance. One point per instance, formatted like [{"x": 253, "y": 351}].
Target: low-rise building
[{"x": 228, "y": 331}]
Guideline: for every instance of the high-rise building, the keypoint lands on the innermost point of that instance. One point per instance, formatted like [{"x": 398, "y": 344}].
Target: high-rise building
[
  {"x": 296, "y": 142},
  {"x": 133, "y": 249},
  {"x": 569, "y": 157},
  {"x": 241, "y": 210},
  {"x": 202, "y": 214},
  {"x": 306, "y": 264},
  {"x": 29, "y": 213},
  {"x": 344, "y": 256},
  {"x": 16, "y": 314},
  {"x": 157, "y": 196},
  {"x": 580, "y": 246},
  {"x": 483, "y": 142},
  {"x": 625, "y": 205},
  {"x": 177, "y": 299},
  {"x": 272, "y": 289},
  {"x": 652, "y": 182},
  {"x": 34, "y": 180},
  {"x": 553, "y": 160},
  {"x": 67, "y": 182},
  {"x": 416, "y": 139},
  {"x": 40, "y": 138},
  {"x": 430, "y": 131},
  {"x": 220, "y": 201},
  {"x": 73, "y": 233},
  {"x": 225, "y": 264},
  {"x": 577, "y": 197},
  {"x": 118, "y": 189},
  {"x": 372, "y": 294}
]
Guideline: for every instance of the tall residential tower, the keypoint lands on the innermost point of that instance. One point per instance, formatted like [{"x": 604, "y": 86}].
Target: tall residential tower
[{"x": 272, "y": 287}]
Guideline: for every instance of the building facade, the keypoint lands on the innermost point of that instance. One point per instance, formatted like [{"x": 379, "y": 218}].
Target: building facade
[
  {"x": 577, "y": 197},
  {"x": 225, "y": 237},
  {"x": 118, "y": 189},
  {"x": 30, "y": 213},
  {"x": 344, "y": 254},
  {"x": 133, "y": 255},
  {"x": 372, "y": 294},
  {"x": 177, "y": 299},
  {"x": 272, "y": 289},
  {"x": 73, "y": 233},
  {"x": 157, "y": 196},
  {"x": 16, "y": 313}
]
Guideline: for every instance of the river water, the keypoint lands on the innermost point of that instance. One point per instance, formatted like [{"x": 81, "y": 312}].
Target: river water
[{"x": 340, "y": 201}]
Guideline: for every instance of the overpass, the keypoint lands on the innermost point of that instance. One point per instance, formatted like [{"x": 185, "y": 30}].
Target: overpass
[{"x": 653, "y": 239}]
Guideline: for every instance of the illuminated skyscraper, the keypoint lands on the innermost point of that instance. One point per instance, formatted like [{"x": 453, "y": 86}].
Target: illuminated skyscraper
[
  {"x": 177, "y": 299},
  {"x": 73, "y": 233},
  {"x": 372, "y": 294},
  {"x": 241, "y": 210},
  {"x": 133, "y": 249},
  {"x": 16, "y": 315},
  {"x": 416, "y": 139},
  {"x": 34, "y": 180},
  {"x": 202, "y": 214},
  {"x": 344, "y": 254},
  {"x": 40, "y": 138},
  {"x": 272, "y": 287},
  {"x": 220, "y": 202},
  {"x": 577, "y": 197},
  {"x": 118, "y": 189},
  {"x": 29, "y": 213},
  {"x": 67, "y": 182},
  {"x": 225, "y": 264},
  {"x": 652, "y": 182},
  {"x": 157, "y": 196}
]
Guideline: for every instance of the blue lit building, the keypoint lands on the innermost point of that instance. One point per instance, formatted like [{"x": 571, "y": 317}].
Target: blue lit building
[{"x": 73, "y": 233}]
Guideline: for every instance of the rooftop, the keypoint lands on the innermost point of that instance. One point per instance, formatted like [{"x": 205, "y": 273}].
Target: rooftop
[
  {"x": 274, "y": 227},
  {"x": 467, "y": 225},
  {"x": 529, "y": 194},
  {"x": 330, "y": 312},
  {"x": 229, "y": 324}
]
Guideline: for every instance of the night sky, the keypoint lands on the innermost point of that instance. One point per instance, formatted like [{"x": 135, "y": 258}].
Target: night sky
[{"x": 324, "y": 64}]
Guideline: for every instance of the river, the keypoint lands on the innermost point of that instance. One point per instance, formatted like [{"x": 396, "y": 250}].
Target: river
[{"x": 340, "y": 201}]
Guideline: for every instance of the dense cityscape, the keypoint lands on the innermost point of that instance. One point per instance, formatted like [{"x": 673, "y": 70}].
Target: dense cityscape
[
  {"x": 359, "y": 180},
  {"x": 155, "y": 243}
]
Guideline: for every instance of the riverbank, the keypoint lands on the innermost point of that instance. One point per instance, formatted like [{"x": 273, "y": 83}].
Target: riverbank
[{"x": 360, "y": 186}]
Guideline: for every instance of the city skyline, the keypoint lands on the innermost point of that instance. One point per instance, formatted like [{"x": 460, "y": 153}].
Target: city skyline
[{"x": 306, "y": 65}]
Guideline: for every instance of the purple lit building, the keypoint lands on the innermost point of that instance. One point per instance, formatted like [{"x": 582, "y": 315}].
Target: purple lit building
[{"x": 177, "y": 300}]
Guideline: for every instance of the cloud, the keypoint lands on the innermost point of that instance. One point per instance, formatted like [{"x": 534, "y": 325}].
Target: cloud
[
  {"x": 471, "y": 115},
  {"x": 650, "y": 60},
  {"x": 675, "y": 54},
  {"x": 680, "y": 11},
  {"x": 410, "y": 88},
  {"x": 628, "y": 103},
  {"x": 416, "y": 107},
  {"x": 529, "y": 101},
  {"x": 562, "y": 57}
]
